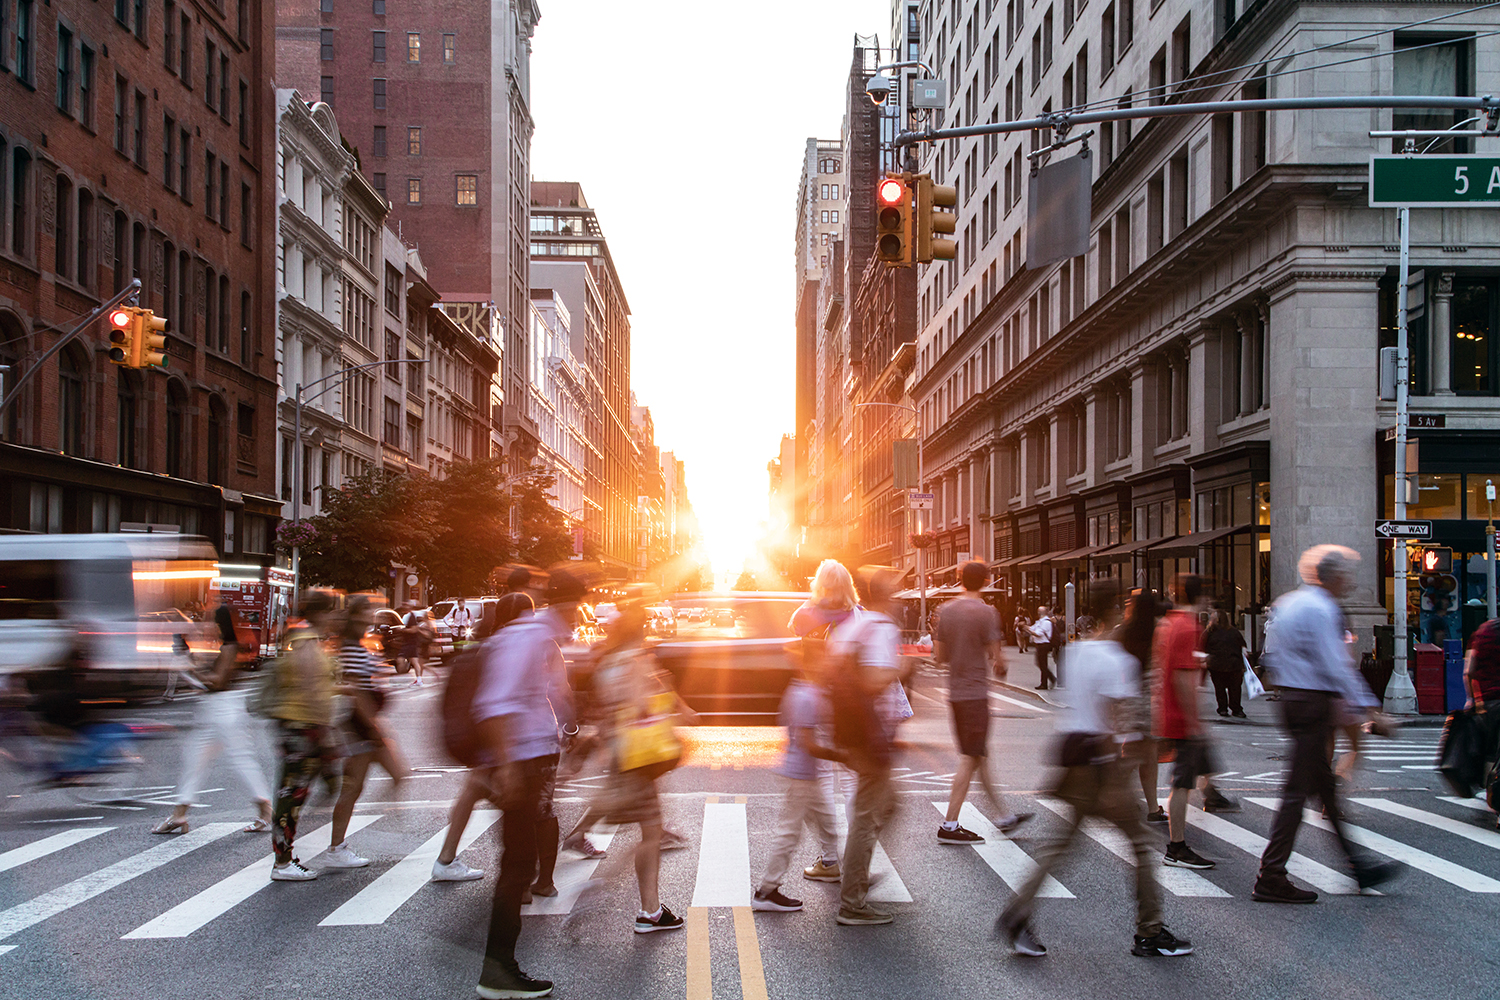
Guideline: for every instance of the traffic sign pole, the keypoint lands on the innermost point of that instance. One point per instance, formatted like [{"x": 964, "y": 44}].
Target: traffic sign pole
[{"x": 1400, "y": 694}]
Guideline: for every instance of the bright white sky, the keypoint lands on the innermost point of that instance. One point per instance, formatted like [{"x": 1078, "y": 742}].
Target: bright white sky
[{"x": 685, "y": 122}]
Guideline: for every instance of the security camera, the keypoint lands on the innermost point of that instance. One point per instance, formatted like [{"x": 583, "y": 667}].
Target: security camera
[{"x": 879, "y": 89}]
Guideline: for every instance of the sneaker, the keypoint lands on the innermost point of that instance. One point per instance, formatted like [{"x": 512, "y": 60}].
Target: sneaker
[
  {"x": 1021, "y": 938},
  {"x": 1218, "y": 802},
  {"x": 1375, "y": 873},
  {"x": 454, "y": 871},
  {"x": 958, "y": 835},
  {"x": 851, "y": 917},
  {"x": 774, "y": 902},
  {"x": 1183, "y": 856},
  {"x": 511, "y": 983},
  {"x": 1160, "y": 816},
  {"x": 1279, "y": 889},
  {"x": 1239, "y": 715},
  {"x": 671, "y": 840},
  {"x": 821, "y": 872},
  {"x": 1162, "y": 944},
  {"x": 582, "y": 845},
  {"x": 1224, "y": 712},
  {"x": 665, "y": 920},
  {"x": 292, "y": 871},
  {"x": 342, "y": 857},
  {"x": 1014, "y": 820}
]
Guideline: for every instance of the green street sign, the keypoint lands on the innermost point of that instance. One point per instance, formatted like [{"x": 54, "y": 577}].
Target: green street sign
[{"x": 1443, "y": 181}]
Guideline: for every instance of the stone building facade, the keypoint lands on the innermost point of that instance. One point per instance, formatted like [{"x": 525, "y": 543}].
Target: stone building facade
[{"x": 138, "y": 141}]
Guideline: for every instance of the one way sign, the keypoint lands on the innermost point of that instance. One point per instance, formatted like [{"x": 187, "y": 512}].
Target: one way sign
[{"x": 1403, "y": 529}]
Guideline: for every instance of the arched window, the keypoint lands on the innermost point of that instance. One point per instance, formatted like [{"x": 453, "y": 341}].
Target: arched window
[
  {"x": 12, "y": 346},
  {"x": 63, "y": 231},
  {"x": 127, "y": 421},
  {"x": 224, "y": 313},
  {"x": 177, "y": 461},
  {"x": 184, "y": 318},
  {"x": 70, "y": 403},
  {"x": 210, "y": 307},
  {"x": 218, "y": 423},
  {"x": 85, "y": 243},
  {"x": 20, "y": 203}
]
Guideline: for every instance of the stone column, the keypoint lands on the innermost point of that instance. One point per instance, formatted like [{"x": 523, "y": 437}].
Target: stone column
[
  {"x": 1440, "y": 336},
  {"x": 1094, "y": 440},
  {"x": 1204, "y": 392},
  {"x": 1244, "y": 325},
  {"x": 1322, "y": 339},
  {"x": 1143, "y": 416},
  {"x": 1027, "y": 463},
  {"x": 1054, "y": 459}
]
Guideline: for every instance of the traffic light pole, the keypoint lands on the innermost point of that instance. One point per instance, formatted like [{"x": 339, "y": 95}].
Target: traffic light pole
[
  {"x": 131, "y": 289},
  {"x": 1400, "y": 694}
]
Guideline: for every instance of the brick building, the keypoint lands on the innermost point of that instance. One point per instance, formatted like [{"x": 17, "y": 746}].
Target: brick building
[
  {"x": 435, "y": 98},
  {"x": 137, "y": 141}
]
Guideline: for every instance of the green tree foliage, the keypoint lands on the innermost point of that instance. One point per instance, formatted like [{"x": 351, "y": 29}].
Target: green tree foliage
[
  {"x": 470, "y": 527},
  {"x": 365, "y": 526}
]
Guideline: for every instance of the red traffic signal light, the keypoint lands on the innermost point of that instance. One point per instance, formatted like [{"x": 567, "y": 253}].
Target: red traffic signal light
[
  {"x": 893, "y": 220},
  {"x": 890, "y": 191},
  {"x": 122, "y": 335}
]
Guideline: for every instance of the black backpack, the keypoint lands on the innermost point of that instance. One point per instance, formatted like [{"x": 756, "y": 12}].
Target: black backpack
[
  {"x": 460, "y": 735},
  {"x": 857, "y": 726}
]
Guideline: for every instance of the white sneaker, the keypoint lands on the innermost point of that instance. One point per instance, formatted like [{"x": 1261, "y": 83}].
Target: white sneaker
[
  {"x": 342, "y": 857},
  {"x": 292, "y": 871},
  {"x": 454, "y": 871}
]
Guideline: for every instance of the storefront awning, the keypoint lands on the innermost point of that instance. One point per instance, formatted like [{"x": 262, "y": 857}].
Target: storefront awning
[
  {"x": 1037, "y": 562},
  {"x": 1125, "y": 550},
  {"x": 1078, "y": 555},
  {"x": 1012, "y": 562},
  {"x": 1187, "y": 546}
]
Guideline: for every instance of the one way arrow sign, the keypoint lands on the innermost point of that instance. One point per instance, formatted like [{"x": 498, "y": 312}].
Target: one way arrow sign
[{"x": 1403, "y": 529}]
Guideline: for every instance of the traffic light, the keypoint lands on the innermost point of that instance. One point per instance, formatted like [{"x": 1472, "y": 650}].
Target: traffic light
[
  {"x": 1437, "y": 560},
  {"x": 122, "y": 335},
  {"x": 931, "y": 200},
  {"x": 893, "y": 219},
  {"x": 150, "y": 339}
]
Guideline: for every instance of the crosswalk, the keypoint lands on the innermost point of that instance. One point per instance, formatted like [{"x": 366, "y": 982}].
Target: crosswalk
[{"x": 728, "y": 837}]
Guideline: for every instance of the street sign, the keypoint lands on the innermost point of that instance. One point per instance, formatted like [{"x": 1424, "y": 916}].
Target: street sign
[
  {"x": 1403, "y": 529},
  {"x": 919, "y": 501},
  {"x": 1440, "y": 181}
]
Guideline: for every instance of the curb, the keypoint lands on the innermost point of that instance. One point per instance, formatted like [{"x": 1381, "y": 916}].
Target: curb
[{"x": 1031, "y": 693}]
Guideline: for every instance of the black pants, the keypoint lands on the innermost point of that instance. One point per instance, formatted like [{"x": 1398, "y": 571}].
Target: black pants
[
  {"x": 518, "y": 844},
  {"x": 1308, "y": 719},
  {"x": 1227, "y": 685},
  {"x": 1041, "y": 650}
]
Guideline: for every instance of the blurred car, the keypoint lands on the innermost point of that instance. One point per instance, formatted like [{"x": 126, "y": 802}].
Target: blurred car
[
  {"x": 387, "y": 632},
  {"x": 728, "y": 660},
  {"x": 606, "y": 613},
  {"x": 661, "y": 621},
  {"x": 446, "y": 642}
]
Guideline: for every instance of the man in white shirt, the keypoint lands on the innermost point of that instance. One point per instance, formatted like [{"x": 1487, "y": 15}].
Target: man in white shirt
[
  {"x": 1041, "y": 638},
  {"x": 459, "y": 620},
  {"x": 1102, "y": 684}
]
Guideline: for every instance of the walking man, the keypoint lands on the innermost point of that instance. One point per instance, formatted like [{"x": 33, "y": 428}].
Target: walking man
[
  {"x": 1096, "y": 783},
  {"x": 521, "y": 691},
  {"x": 1041, "y": 643},
  {"x": 460, "y": 619},
  {"x": 1305, "y": 646},
  {"x": 864, "y": 659},
  {"x": 1176, "y": 651},
  {"x": 967, "y": 642}
]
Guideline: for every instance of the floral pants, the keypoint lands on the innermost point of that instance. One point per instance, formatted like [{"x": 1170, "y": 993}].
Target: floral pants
[{"x": 306, "y": 752}]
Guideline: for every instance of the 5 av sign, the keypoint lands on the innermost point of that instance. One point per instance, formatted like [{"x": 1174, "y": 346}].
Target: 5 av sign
[{"x": 1443, "y": 181}]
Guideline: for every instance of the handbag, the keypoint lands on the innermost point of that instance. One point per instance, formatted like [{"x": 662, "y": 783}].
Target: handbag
[
  {"x": 1253, "y": 687},
  {"x": 646, "y": 736}
]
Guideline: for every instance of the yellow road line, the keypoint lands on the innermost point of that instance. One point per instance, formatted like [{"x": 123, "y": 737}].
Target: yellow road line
[
  {"x": 700, "y": 980},
  {"x": 711, "y": 799},
  {"x": 739, "y": 800},
  {"x": 752, "y": 975}
]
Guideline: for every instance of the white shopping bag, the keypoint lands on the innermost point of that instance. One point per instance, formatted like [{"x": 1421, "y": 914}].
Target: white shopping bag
[{"x": 1253, "y": 687}]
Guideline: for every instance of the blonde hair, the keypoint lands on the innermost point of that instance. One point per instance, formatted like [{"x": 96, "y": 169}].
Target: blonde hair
[
  {"x": 833, "y": 587},
  {"x": 1320, "y": 562}
]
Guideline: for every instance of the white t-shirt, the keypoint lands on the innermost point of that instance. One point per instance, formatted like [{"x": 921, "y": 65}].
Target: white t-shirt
[
  {"x": 1099, "y": 672},
  {"x": 1041, "y": 630}
]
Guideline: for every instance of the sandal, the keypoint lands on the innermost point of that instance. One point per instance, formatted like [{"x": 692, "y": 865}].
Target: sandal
[
  {"x": 170, "y": 825},
  {"x": 259, "y": 826}
]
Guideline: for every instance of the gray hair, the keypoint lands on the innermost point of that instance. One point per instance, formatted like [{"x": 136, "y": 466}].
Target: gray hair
[{"x": 1321, "y": 562}]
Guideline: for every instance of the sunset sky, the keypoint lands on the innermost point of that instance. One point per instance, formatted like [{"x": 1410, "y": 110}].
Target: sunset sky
[{"x": 686, "y": 128}]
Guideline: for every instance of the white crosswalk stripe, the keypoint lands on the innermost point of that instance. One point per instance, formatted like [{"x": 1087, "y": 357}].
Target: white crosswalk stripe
[
  {"x": 223, "y": 896},
  {"x": 48, "y": 845},
  {"x": 1468, "y": 803},
  {"x": 723, "y": 857},
  {"x": 1489, "y": 838},
  {"x": 1438, "y": 867},
  {"x": 375, "y": 903},
  {"x": 1177, "y": 881},
  {"x": 1298, "y": 865},
  {"x": 49, "y": 904},
  {"x": 570, "y": 877},
  {"x": 1005, "y": 858}
]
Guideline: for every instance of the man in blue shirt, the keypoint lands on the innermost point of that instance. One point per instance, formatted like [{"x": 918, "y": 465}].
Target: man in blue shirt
[{"x": 1310, "y": 665}]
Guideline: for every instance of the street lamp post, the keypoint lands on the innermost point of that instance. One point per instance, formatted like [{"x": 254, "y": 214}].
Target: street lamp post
[
  {"x": 297, "y": 403},
  {"x": 921, "y": 484}
]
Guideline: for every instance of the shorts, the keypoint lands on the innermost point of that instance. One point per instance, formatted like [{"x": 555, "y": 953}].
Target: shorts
[
  {"x": 971, "y": 726},
  {"x": 1194, "y": 759}
]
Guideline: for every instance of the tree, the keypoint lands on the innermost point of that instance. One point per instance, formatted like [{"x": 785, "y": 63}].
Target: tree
[
  {"x": 470, "y": 528},
  {"x": 746, "y": 581},
  {"x": 365, "y": 526},
  {"x": 544, "y": 533}
]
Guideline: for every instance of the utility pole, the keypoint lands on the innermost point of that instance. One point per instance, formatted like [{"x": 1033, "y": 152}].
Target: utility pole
[{"x": 1400, "y": 694}]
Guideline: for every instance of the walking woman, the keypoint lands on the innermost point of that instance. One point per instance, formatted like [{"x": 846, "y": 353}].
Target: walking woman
[
  {"x": 305, "y": 679},
  {"x": 220, "y": 722},
  {"x": 834, "y": 600},
  {"x": 1136, "y": 634},
  {"x": 1226, "y": 665},
  {"x": 365, "y": 739}
]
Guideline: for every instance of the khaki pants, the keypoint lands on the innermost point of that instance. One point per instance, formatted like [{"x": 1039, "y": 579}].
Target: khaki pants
[
  {"x": 806, "y": 803},
  {"x": 1099, "y": 790},
  {"x": 874, "y": 804}
]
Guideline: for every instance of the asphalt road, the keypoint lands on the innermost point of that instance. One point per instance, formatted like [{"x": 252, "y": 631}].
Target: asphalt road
[{"x": 93, "y": 905}]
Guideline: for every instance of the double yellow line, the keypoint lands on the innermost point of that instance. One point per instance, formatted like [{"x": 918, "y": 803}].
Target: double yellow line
[{"x": 700, "y": 980}]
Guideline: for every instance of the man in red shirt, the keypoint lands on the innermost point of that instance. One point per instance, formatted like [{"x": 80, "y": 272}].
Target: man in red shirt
[{"x": 1179, "y": 639}]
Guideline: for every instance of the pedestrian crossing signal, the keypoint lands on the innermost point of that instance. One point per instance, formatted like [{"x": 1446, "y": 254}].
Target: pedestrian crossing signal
[{"x": 1437, "y": 560}]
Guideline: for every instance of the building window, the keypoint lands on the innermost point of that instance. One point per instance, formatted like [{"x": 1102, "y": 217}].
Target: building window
[
  {"x": 379, "y": 140},
  {"x": 86, "y": 87},
  {"x": 168, "y": 152},
  {"x": 185, "y": 51},
  {"x": 325, "y": 44},
  {"x": 169, "y": 35},
  {"x": 244, "y": 114},
  {"x": 64, "y": 70},
  {"x": 413, "y": 47},
  {"x": 468, "y": 189},
  {"x": 378, "y": 8},
  {"x": 122, "y": 111},
  {"x": 210, "y": 178},
  {"x": 1473, "y": 350},
  {"x": 247, "y": 219},
  {"x": 1435, "y": 70},
  {"x": 379, "y": 180},
  {"x": 414, "y": 190},
  {"x": 450, "y": 49},
  {"x": 325, "y": 89},
  {"x": 325, "y": 6},
  {"x": 392, "y": 290},
  {"x": 140, "y": 129},
  {"x": 184, "y": 166},
  {"x": 413, "y": 140},
  {"x": 392, "y": 430},
  {"x": 127, "y": 415},
  {"x": 70, "y": 407},
  {"x": 25, "y": 32},
  {"x": 176, "y": 404},
  {"x": 379, "y": 95},
  {"x": 379, "y": 53}
]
